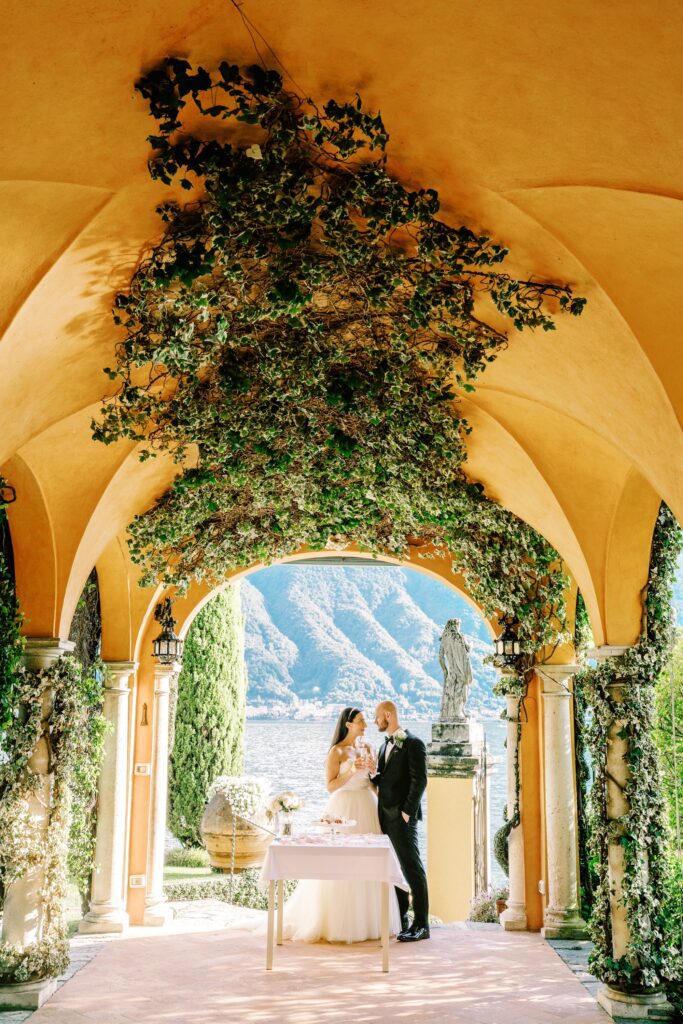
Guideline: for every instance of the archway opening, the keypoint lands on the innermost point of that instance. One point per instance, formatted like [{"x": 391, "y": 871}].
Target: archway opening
[{"x": 354, "y": 632}]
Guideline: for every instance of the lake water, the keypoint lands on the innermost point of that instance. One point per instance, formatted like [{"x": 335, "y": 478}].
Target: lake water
[{"x": 291, "y": 754}]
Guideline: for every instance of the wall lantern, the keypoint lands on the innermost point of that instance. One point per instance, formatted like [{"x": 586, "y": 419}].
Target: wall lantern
[
  {"x": 167, "y": 647},
  {"x": 507, "y": 646}
]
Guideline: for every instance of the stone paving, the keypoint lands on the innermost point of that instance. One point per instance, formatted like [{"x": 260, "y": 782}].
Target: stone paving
[
  {"x": 205, "y": 969},
  {"x": 575, "y": 954},
  {"x": 83, "y": 949}
]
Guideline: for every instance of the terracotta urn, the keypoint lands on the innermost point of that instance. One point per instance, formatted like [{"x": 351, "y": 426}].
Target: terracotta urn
[
  {"x": 251, "y": 842},
  {"x": 501, "y": 905}
]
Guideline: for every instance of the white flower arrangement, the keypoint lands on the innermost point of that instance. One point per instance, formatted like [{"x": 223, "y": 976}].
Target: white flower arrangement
[
  {"x": 284, "y": 803},
  {"x": 246, "y": 794},
  {"x": 400, "y": 736}
]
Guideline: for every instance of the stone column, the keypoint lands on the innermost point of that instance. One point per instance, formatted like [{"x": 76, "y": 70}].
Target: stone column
[
  {"x": 562, "y": 919},
  {"x": 107, "y": 912},
  {"x": 630, "y": 1005},
  {"x": 156, "y": 911},
  {"x": 23, "y": 915},
  {"x": 514, "y": 917}
]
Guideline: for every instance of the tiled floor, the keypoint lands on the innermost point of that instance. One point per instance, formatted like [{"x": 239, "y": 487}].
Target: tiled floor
[{"x": 191, "y": 975}]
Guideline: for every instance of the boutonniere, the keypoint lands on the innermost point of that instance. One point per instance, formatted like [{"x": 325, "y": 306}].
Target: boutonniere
[{"x": 400, "y": 737}]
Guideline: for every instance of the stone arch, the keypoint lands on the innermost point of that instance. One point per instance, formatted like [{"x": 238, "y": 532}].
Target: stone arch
[
  {"x": 189, "y": 606},
  {"x": 628, "y": 558}
]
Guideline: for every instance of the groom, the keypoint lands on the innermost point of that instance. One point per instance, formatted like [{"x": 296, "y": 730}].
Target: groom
[{"x": 401, "y": 780}]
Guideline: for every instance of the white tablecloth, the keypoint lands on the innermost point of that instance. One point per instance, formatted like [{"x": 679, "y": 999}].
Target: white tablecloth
[{"x": 365, "y": 857}]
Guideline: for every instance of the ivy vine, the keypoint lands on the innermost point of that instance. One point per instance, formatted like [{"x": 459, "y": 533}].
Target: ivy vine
[
  {"x": 649, "y": 958},
  {"x": 52, "y": 707},
  {"x": 298, "y": 340},
  {"x": 583, "y": 640},
  {"x": 86, "y": 634}
]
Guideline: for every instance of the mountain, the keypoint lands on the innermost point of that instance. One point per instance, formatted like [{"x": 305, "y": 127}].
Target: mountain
[{"x": 320, "y": 637}]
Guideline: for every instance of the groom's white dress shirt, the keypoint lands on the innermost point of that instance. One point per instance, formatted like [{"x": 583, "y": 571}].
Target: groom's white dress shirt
[{"x": 391, "y": 744}]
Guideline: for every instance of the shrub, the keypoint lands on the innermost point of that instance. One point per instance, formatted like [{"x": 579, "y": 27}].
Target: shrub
[
  {"x": 86, "y": 634},
  {"x": 500, "y": 845},
  {"x": 672, "y": 913},
  {"x": 668, "y": 731},
  {"x": 483, "y": 906},
  {"x": 245, "y": 890},
  {"x": 209, "y": 725},
  {"x": 187, "y": 857}
]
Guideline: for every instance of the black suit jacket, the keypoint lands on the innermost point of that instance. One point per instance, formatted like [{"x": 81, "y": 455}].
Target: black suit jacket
[{"x": 402, "y": 779}]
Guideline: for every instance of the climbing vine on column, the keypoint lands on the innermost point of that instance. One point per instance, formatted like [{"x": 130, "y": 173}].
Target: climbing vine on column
[
  {"x": 52, "y": 706},
  {"x": 58, "y": 707},
  {"x": 642, "y": 830}
]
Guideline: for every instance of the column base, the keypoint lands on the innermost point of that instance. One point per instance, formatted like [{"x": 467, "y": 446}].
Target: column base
[
  {"x": 513, "y": 918},
  {"x": 635, "y": 1006},
  {"x": 29, "y": 995},
  {"x": 157, "y": 915},
  {"x": 110, "y": 921},
  {"x": 564, "y": 924}
]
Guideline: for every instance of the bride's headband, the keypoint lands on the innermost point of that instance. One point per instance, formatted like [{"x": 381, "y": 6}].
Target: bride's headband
[{"x": 352, "y": 714}]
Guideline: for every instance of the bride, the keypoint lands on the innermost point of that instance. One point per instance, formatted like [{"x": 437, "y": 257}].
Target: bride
[{"x": 343, "y": 911}]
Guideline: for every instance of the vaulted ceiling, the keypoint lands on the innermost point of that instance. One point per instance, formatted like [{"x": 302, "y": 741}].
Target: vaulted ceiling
[{"x": 554, "y": 127}]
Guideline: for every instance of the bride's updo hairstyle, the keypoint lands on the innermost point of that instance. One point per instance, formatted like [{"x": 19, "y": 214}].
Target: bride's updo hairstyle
[{"x": 342, "y": 727}]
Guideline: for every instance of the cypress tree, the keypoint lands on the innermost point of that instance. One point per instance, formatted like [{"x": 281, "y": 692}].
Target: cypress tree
[{"x": 210, "y": 713}]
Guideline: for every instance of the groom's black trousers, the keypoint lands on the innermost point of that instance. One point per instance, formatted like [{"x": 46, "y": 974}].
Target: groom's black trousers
[{"x": 403, "y": 836}]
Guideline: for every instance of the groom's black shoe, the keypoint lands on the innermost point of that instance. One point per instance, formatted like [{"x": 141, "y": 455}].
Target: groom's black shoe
[
  {"x": 405, "y": 925},
  {"x": 414, "y": 934}
]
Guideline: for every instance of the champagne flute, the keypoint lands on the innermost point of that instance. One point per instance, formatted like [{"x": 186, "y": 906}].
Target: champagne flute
[{"x": 364, "y": 751}]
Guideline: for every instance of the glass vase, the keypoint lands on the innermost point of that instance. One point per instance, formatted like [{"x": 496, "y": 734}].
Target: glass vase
[{"x": 286, "y": 823}]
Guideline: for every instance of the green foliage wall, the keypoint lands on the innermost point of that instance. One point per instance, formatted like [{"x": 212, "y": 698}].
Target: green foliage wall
[
  {"x": 86, "y": 625},
  {"x": 669, "y": 729},
  {"x": 86, "y": 634},
  {"x": 11, "y": 644},
  {"x": 210, "y": 715}
]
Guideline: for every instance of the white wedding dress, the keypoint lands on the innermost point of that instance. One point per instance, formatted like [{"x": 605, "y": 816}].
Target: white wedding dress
[{"x": 342, "y": 911}]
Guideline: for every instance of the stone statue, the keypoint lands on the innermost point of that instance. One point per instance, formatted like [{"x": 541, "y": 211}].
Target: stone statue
[{"x": 454, "y": 658}]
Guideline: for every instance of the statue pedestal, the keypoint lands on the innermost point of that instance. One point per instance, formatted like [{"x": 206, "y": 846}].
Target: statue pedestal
[
  {"x": 457, "y": 832},
  {"x": 455, "y": 741}
]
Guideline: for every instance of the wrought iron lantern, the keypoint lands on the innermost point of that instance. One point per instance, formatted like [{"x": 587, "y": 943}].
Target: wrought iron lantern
[
  {"x": 167, "y": 647},
  {"x": 508, "y": 647}
]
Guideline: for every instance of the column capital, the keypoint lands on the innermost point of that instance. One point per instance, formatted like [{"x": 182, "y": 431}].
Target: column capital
[
  {"x": 43, "y": 651},
  {"x": 124, "y": 667},
  {"x": 119, "y": 673},
  {"x": 605, "y": 651},
  {"x": 555, "y": 679},
  {"x": 163, "y": 675}
]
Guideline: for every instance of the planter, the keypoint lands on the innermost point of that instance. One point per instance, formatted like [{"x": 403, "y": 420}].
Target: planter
[
  {"x": 251, "y": 843},
  {"x": 501, "y": 905}
]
